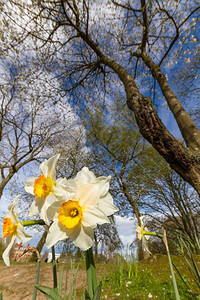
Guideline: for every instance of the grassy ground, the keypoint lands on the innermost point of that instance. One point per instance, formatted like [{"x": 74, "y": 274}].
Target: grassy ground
[{"x": 148, "y": 280}]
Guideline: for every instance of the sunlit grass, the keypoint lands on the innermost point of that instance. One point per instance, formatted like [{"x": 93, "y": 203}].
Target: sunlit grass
[
  {"x": 150, "y": 279},
  {"x": 144, "y": 286}
]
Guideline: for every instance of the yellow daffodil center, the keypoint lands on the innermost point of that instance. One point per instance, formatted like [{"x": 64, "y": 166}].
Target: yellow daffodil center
[
  {"x": 71, "y": 214},
  {"x": 43, "y": 186},
  {"x": 140, "y": 230},
  {"x": 8, "y": 227}
]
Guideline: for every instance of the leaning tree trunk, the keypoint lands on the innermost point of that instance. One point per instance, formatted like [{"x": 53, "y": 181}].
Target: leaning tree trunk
[
  {"x": 95, "y": 245},
  {"x": 180, "y": 158},
  {"x": 39, "y": 246},
  {"x": 184, "y": 160}
]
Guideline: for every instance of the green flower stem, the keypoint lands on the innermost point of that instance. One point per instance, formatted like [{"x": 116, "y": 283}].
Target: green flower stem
[
  {"x": 91, "y": 272},
  {"x": 177, "y": 297},
  {"x": 33, "y": 222},
  {"x": 153, "y": 234},
  {"x": 55, "y": 282},
  {"x": 36, "y": 279}
]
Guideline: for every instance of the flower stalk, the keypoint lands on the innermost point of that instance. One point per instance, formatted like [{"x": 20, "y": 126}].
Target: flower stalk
[
  {"x": 176, "y": 292},
  {"x": 91, "y": 272},
  {"x": 33, "y": 222},
  {"x": 37, "y": 275},
  {"x": 153, "y": 234},
  {"x": 55, "y": 282}
]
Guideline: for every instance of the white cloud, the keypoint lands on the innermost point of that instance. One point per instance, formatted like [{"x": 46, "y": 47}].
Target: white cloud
[{"x": 126, "y": 228}]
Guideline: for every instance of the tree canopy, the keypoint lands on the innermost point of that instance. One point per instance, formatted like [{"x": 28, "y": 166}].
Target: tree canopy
[{"x": 113, "y": 47}]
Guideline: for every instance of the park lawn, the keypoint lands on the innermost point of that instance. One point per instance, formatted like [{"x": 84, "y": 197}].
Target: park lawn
[{"x": 150, "y": 279}]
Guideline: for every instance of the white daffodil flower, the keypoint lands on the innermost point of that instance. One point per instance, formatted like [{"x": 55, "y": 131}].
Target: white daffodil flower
[
  {"x": 12, "y": 229},
  {"x": 46, "y": 188},
  {"x": 76, "y": 217},
  {"x": 140, "y": 233}
]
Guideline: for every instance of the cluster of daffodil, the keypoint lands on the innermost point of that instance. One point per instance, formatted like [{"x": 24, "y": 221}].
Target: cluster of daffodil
[
  {"x": 72, "y": 208},
  {"x": 144, "y": 234},
  {"x": 141, "y": 233}
]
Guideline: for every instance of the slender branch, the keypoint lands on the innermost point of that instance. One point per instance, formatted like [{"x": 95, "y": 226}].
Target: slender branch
[
  {"x": 126, "y": 6},
  {"x": 145, "y": 25}
]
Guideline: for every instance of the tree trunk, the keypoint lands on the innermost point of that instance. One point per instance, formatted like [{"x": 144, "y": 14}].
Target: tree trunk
[
  {"x": 187, "y": 127},
  {"x": 180, "y": 158},
  {"x": 39, "y": 246},
  {"x": 95, "y": 245}
]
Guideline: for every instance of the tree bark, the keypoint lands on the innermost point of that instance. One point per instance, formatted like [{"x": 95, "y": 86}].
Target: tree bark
[
  {"x": 95, "y": 245},
  {"x": 180, "y": 158},
  {"x": 39, "y": 246},
  {"x": 187, "y": 127},
  {"x": 153, "y": 130}
]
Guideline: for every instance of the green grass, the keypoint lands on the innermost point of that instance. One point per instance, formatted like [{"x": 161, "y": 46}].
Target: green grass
[
  {"x": 149, "y": 280},
  {"x": 144, "y": 286}
]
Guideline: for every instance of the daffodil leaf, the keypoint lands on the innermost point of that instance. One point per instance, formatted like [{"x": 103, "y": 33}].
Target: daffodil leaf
[
  {"x": 97, "y": 293},
  {"x": 49, "y": 291},
  {"x": 87, "y": 296}
]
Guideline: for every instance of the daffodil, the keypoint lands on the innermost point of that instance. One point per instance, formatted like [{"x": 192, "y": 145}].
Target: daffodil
[
  {"x": 12, "y": 229},
  {"x": 141, "y": 232},
  {"x": 76, "y": 217},
  {"x": 46, "y": 188}
]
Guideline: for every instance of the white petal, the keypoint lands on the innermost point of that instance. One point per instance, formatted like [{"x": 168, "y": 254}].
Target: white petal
[
  {"x": 88, "y": 194},
  {"x": 82, "y": 237},
  {"x": 8, "y": 239},
  {"x": 43, "y": 215},
  {"x": 6, "y": 253},
  {"x": 21, "y": 235},
  {"x": 62, "y": 193},
  {"x": 36, "y": 206},
  {"x": 147, "y": 237},
  {"x": 107, "y": 199},
  {"x": 84, "y": 176},
  {"x": 12, "y": 216},
  {"x": 47, "y": 203},
  {"x": 54, "y": 209},
  {"x": 138, "y": 232},
  {"x": 12, "y": 207},
  {"x": 56, "y": 233},
  {"x": 106, "y": 205},
  {"x": 68, "y": 185},
  {"x": 104, "y": 184},
  {"x": 29, "y": 185},
  {"x": 50, "y": 199},
  {"x": 93, "y": 216},
  {"x": 44, "y": 168},
  {"x": 48, "y": 167},
  {"x": 143, "y": 220},
  {"x": 144, "y": 246},
  {"x": 61, "y": 181}
]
